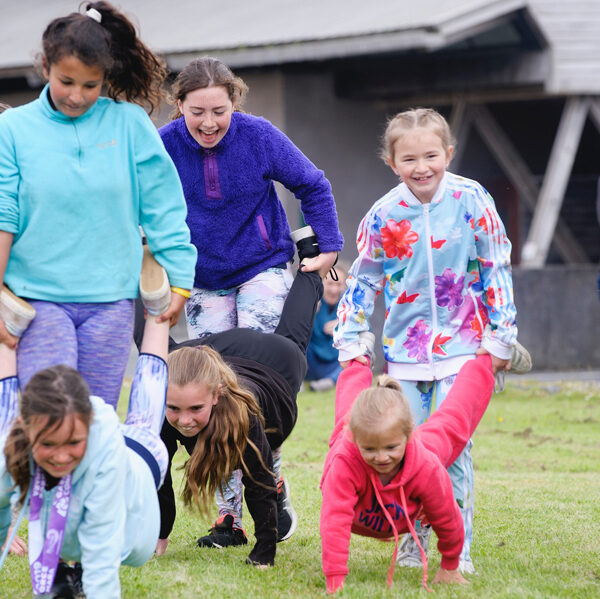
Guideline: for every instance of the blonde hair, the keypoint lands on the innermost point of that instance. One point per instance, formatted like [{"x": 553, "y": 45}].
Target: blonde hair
[
  {"x": 411, "y": 119},
  {"x": 386, "y": 402},
  {"x": 220, "y": 445}
]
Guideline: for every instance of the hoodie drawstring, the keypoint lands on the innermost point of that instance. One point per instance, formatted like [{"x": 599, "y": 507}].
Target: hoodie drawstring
[
  {"x": 390, "y": 520},
  {"x": 413, "y": 532}
]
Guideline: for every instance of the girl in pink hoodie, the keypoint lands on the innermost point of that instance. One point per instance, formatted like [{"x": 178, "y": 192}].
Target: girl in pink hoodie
[{"x": 380, "y": 475}]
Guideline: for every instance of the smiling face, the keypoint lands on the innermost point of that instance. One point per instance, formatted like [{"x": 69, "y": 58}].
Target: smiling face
[
  {"x": 420, "y": 160},
  {"x": 58, "y": 451},
  {"x": 189, "y": 407},
  {"x": 382, "y": 448},
  {"x": 74, "y": 86},
  {"x": 207, "y": 112}
]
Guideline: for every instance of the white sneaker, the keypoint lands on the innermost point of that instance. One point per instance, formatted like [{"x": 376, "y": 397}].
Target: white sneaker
[
  {"x": 155, "y": 290},
  {"x": 409, "y": 555},
  {"x": 520, "y": 359},
  {"x": 465, "y": 566},
  {"x": 15, "y": 312},
  {"x": 367, "y": 343},
  {"x": 322, "y": 384}
]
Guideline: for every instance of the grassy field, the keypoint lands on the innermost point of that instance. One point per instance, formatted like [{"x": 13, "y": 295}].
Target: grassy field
[{"x": 537, "y": 521}]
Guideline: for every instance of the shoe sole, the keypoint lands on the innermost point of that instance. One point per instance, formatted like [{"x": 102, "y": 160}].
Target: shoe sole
[
  {"x": 15, "y": 312},
  {"x": 154, "y": 285},
  {"x": 291, "y": 511},
  {"x": 524, "y": 363}
]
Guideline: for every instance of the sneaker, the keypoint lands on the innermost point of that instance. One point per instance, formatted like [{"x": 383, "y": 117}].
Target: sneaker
[
  {"x": 68, "y": 582},
  {"x": 367, "y": 343},
  {"x": 465, "y": 566},
  {"x": 155, "y": 290},
  {"x": 322, "y": 384},
  {"x": 287, "y": 519},
  {"x": 15, "y": 312},
  {"x": 520, "y": 359},
  {"x": 409, "y": 555},
  {"x": 306, "y": 242},
  {"x": 223, "y": 534}
]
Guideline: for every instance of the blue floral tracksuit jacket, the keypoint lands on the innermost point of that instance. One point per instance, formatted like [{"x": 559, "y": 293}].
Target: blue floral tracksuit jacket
[{"x": 444, "y": 269}]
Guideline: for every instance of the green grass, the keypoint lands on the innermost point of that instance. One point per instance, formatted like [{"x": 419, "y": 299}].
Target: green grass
[{"x": 537, "y": 521}]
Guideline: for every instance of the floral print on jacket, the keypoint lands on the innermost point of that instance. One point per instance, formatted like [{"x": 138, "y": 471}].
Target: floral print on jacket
[{"x": 444, "y": 271}]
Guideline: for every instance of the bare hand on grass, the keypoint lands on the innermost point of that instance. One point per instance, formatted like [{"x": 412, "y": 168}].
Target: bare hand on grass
[
  {"x": 161, "y": 546},
  {"x": 449, "y": 577}
]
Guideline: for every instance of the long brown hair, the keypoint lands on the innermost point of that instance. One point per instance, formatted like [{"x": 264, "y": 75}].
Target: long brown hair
[
  {"x": 202, "y": 72},
  {"x": 56, "y": 393},
  {"x": 131, "y": 70},
  {"x": 220, "y": 445}
]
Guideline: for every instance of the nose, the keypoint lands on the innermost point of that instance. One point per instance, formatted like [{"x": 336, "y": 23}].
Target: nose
[
  {"x": 61, "y": 455},
  {"x": 380, "y": 457},
  {"x": 76, "y": 95},
  {"x": 184, "y": 419},
  {"x": 421, "y": 165}
]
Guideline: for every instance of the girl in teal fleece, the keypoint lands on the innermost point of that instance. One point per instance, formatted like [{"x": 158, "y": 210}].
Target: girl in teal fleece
[
  {"x": 86, "y": 483},
  {"x": 79, "y": 175}
]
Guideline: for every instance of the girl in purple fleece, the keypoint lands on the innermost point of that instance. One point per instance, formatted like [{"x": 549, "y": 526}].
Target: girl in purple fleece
[{"x": 228, "y": 162}]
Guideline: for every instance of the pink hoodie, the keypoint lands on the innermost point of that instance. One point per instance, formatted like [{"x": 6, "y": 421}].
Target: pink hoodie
[{"x": 354, "y": 499}]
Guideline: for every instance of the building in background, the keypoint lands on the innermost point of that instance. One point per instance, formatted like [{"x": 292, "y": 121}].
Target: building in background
[{"x": 519, "y": 81}]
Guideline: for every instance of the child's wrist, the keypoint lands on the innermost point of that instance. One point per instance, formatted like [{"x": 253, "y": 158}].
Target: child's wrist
[{"x": 184, "y": 292}]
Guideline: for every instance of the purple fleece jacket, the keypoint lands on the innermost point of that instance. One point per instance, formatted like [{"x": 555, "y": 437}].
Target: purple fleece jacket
[{"x": 236, "y": 219}]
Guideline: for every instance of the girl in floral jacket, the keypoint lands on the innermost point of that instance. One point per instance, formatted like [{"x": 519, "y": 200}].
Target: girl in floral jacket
[{"x": 437, "y": 249}]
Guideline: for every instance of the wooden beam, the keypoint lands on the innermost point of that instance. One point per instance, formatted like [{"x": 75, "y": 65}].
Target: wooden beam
[
  {"x": 595, "y": 113},
  {"x": 558, "y": 171},
  {"x": 518, "y": 172},
  {"x": 460, "y": 124}
]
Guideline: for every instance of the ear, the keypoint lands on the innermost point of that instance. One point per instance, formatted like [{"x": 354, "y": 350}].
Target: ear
[
  {"x": 449, "y": 154},
  {"x": 217, "y": 395},
  {"x": 391, "y": 164},
  {"x": 180, "y": 106},
  {"x": 45, "y": 67}
]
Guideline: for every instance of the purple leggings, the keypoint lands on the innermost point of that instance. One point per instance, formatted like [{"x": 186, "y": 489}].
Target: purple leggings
[{"x": 92, "y": 338}]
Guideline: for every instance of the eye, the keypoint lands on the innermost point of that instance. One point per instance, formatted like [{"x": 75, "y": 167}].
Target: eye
[
  {"x": 173, "y": 408},
  {"x": 196, "y": 408}
]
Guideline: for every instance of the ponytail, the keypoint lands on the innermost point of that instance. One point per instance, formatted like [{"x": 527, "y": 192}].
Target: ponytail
[{"x": 105, "y": 37}]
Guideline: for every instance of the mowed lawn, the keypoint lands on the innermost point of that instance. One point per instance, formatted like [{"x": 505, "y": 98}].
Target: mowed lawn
[{"x": 537, "y": 520}]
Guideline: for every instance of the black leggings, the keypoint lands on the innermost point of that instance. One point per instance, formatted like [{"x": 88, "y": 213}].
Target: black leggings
[{"x": 284, "y": 350}]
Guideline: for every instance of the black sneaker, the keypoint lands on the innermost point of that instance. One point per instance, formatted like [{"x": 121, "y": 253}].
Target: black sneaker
[
  {"x": 223, "y": 534},
  {"x": 67, "y": 582},
  {"x": 306, "y": 242},
  {"x": 287, "y": 519}
]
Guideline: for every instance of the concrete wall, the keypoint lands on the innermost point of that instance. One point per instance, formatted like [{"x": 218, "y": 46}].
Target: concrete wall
[{"x": 559, "y": 316}]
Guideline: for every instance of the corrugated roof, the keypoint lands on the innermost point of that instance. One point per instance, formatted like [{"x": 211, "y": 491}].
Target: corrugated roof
[{"x": 265, "y": 31}]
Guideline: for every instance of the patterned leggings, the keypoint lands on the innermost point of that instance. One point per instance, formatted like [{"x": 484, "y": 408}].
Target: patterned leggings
[
  {"x": 92, "y": 338},
  {"x": 424, "y": 398},
  {"x": 256, "y": 305}
]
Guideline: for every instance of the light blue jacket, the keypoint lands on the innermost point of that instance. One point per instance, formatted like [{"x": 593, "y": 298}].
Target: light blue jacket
[
  {"x": 113, "y": 516},
  {"x": 444, "y": 271},
  {"x": 74, "y": 191}
]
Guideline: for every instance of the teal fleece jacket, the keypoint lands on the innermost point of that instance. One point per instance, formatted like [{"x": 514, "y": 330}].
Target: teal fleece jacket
[
  {"x": 74, "y": 192},
  {"x": 113, "y": 515}
]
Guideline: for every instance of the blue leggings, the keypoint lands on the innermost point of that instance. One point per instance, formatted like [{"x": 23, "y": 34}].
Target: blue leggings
[
  {"x": 424, "y": 397},
  {"x": 92, "y": 338}
]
